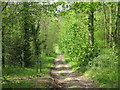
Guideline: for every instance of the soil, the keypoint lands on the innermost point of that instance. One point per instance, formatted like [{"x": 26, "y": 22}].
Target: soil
[
  {"x": 61, "y": 77},
  {"x": 65, "y": 78}
]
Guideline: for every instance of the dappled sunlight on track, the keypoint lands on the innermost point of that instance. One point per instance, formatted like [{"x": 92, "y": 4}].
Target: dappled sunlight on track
[{"x": 64, "y": 77}]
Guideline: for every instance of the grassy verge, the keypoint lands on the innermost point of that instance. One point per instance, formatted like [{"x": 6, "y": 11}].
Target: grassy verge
[
  {"x": 17, "y": 72},
  {"x": 103, "y": 69}
]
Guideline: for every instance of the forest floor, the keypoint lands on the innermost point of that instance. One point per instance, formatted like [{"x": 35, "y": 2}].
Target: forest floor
[
  {"x": 60, "y": 75},
  {"x": 64, "y": 77}
]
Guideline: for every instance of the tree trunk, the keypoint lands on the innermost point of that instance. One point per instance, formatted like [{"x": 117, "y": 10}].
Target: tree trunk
[
  {"x": 117, "y": 20},
  {"x": 45, "y": 45},
  {"x": 3, "y": 50},
  {"x": 118, "y": 25},
  {"x": 105, "y": 25},
  {"x": 26, "y": 26},
  {"x": 91, "y": 32},
  {"x": 35, "y": 32},
  {"x": 110, "y": 27},
  {"x": 20, "y": 60},
  {"x": 91, "y": 27},
  {"x": 118, "y": 40}
]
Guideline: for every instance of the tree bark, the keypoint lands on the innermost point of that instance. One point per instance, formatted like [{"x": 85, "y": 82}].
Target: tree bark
[
  {"x": 3, "y": 50},
  {"x": 45, "y": 34},
  {"x": 110, "y": 27},
  {"x": 116, "y": 30},
  {"x": 26, "y": 25},
  {"x": 91, "y": 32},
  {"x": 35, "y": 32},
  {"x": 105, "y": 25},
  {"x": 91, "y": 27},
  {"x": 118, "y": 25},
  {"x": 118, "y": 39}
]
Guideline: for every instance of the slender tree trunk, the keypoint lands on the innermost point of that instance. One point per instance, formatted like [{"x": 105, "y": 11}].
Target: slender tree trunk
[
  {"x": 110, "y": 27},
  {"x": 111, "y": 38},
  {"x": 118, "y": 40},
  {"x": 45, "y": 28},
  {"x": 91, "y": 31},
  {"x": 3, "y": 47},
  {"x": 118, "y": 26},
  {"x": 3, "y": 50},
  {"x": 21, "y": 60},
  {"x": 35, "y": 39},
  {"x": 91, "y": 27},
  {"x": 116, "y": 30},
  {"x": 105, "y": 24}
]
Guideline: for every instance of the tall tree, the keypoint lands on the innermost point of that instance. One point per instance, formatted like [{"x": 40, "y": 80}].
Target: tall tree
[
  {"x": 110, "y": 27},
  {"x": 3, "y": 48},
  {"x": 118, "y": 39},
  {"x": 118, "y": 24},
  {"x": 105, "y": 24},
  {"x": 117, "y": 33},
  {"x": 26, "y": 27},
  {"x": 35, "y": 34},
  {"x": 91, "y": 25},
  {"x": 45, "y": 34}
]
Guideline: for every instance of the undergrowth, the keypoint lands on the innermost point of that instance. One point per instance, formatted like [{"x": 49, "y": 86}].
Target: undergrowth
[
  {"x": 103, "y": 69},
  {"x": 19, "y": 72}
]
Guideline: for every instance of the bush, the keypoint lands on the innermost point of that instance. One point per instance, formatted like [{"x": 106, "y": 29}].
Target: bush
[{"x": 104, "y": 69}]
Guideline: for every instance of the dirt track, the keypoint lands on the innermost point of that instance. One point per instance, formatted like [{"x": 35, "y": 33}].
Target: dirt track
[{"x": 64, "y": 77}]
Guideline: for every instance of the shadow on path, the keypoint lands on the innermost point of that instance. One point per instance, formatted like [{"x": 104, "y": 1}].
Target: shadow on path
[{"x": 64, "y": 77}]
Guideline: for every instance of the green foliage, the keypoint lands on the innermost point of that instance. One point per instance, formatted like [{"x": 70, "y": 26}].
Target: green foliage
[
  {"x": 73, "y": 42},
  {"x": 28, "y": 33},
  {"x": 107, "y": 57},
  {"x": 36, "y": 32},
  {"x": 47, "y": 63},
  {"x": 12, "y": 72},
  {"x": 18, "y": 72},
  {"x": 73, "y": 39},
  {"x": 104, "y": 69},
  {"x": 56, "y": 48},
  {"x": 16, "y": 85}
]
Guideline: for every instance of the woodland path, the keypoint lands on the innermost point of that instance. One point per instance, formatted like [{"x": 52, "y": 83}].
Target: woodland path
[{"x": 64, "y": 77}]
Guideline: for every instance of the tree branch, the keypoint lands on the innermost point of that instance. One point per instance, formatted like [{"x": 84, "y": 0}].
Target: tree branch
[{"x": 4, "y": 6}]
